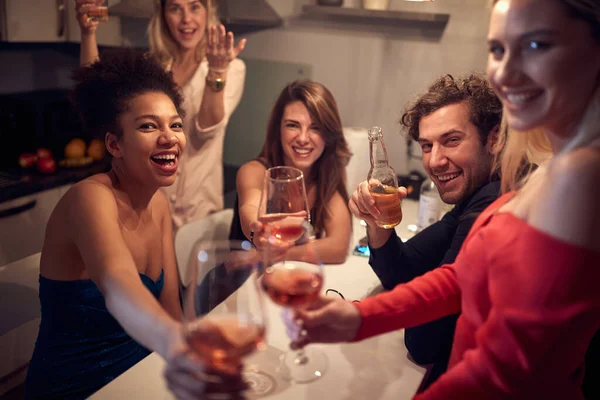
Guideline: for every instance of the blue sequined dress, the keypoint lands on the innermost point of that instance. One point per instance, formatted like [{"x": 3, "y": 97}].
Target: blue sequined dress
[{"x": 80, "y": 346}]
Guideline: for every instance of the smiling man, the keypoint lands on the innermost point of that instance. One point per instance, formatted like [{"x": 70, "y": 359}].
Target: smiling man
[{"x": 457, "y": 124}]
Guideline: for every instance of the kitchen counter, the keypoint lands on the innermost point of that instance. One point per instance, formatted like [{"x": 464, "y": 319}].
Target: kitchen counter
[{"x": 15, "y": 182}]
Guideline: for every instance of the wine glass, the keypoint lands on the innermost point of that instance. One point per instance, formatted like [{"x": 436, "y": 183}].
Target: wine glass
[
  {"x": 289, "y": 280},
  {"x": 224, "y": 312},
  {"x": 283, "y": 204}
]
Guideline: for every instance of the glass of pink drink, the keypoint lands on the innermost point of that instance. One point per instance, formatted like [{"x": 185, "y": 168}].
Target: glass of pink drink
[{"x": 288, "y": 279}]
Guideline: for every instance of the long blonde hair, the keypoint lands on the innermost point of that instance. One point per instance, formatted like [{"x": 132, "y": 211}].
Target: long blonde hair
[
  {"x": 523, "y": 149},
  {"x": 162, "y": 44}
]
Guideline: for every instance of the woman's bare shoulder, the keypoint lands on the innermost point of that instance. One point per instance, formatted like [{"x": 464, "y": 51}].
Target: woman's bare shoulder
[
  {"x": 250, "y": 171},
  {"x": 89, "y": 193},
  {"x": 567, "y": 206},
  {"x": 94, "y": 185},
  {"x": 577, "y": 172}
]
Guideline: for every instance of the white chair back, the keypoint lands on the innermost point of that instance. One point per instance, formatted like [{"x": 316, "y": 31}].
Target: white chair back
[{"x": 212, "y": 227}]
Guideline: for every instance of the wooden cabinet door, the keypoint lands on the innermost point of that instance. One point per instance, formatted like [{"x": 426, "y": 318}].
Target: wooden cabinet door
[
  {"x": 36, "y": 20},
  {"x": 22, "y": 234}
]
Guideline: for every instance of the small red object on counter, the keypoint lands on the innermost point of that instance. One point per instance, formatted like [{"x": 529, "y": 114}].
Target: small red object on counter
[
  {"x": 46, "y": 165},
  {"x": 27, "y": 160},
  {"x": 44, "y": 153}
]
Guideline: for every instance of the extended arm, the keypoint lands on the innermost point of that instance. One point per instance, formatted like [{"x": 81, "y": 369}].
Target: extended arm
[
  {"x": 544, "y": 306},
  {"x": 426, "y": 298},
  {"x": 331, "y": 249},
  {"x": 216, "y": 106},
  {"x": 94, "y": 218},
  {"x": 89, "y": 45},
  {"x": 169, "y": 297}
]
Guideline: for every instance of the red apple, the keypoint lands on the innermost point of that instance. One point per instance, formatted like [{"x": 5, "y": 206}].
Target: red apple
[
  {"x": 44, "y": 153},
  {"x": 46, "y": 165},
  {"x": 27, "y": 160}
]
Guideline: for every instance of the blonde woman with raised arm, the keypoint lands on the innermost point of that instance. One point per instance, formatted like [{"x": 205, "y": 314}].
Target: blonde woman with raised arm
[{"x": 187, "y": 39}]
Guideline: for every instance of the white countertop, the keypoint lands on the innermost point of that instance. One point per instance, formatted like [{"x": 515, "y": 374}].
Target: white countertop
[{"x": 373, "y": 369}]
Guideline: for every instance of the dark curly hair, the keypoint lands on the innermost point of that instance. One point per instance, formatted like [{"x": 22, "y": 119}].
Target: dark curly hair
[
  {"x": 104, "y": 88},
  {"x": 485, "y": 108}
]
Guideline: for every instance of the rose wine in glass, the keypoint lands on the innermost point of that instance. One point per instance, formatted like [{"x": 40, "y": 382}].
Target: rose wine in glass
[
  {"x": 285, "y": 228},
  {"x": 224, "y": 313},
  {"x": 292, "y": 284},
  {"x": 99, "y": 14},
  {"x": 287, "y": 280}
]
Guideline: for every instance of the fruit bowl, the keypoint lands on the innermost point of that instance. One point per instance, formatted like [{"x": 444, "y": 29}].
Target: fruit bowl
[{"x": 76, "y": 162}]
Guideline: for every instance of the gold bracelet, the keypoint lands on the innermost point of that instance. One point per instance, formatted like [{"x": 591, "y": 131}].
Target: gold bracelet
[
  {"x": 218, "y": 71},
  {"x": 216, "y": 85}
]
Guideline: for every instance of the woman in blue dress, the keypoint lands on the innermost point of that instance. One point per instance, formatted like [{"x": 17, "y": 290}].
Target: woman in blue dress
[{"x": 108, "y": 278}]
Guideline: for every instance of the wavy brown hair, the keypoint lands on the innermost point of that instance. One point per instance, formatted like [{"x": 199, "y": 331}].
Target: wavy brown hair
[
  {"x": 162, "y": 44},
  {"x": 329, "y": 171},
  {"x": 484, "y": 106}
]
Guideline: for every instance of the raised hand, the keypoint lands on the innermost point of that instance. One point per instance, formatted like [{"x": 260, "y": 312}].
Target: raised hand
[
  {"x": 220, "y": 50},
  {"x": 82, "y": 7},
  {"x": 362, "y": 203}
]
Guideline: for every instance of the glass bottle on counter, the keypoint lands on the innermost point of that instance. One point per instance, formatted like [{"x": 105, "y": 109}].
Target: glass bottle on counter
[
  {"x": 383, "y": 182},
  {"x": 430, "y": 205}
]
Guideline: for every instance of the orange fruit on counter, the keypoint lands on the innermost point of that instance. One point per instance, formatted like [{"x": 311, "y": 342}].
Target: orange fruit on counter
[
  {"x": 75, "y": 148},
  {"x": 96, "y": 149}
]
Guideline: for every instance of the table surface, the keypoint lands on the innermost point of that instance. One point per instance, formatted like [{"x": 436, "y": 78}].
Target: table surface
[{"x": 376, "y": 369}]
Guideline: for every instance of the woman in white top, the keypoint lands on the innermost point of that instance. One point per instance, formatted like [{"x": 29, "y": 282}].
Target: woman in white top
[{"x": 188, "y": 40}]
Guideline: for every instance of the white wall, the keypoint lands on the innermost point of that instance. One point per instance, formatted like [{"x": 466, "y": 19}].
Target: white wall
[{"x": 372, "y": 70}]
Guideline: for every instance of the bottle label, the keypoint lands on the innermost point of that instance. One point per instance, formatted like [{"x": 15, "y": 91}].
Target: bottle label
[{"x": 429, "y": 211}]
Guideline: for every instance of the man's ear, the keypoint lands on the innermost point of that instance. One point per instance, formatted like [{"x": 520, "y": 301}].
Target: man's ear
[
  {"x": 112, "y": 144},
  {"x": 495, "y": 141}
]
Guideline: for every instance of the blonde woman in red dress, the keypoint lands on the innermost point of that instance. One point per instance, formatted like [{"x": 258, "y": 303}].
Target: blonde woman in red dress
[{"x": 526, "y": 278}]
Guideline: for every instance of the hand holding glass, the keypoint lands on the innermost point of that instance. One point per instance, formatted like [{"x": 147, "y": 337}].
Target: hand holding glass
[
  {"x": 288, "y": 281},
  {"x": 98, "y": 11},
  {"x": 224, "y": 318}
]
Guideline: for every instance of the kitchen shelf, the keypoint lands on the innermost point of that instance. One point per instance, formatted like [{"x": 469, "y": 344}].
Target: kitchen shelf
[{"x": 375, "y": 17}]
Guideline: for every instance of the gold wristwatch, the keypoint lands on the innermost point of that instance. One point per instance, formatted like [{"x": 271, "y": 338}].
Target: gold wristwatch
[{"x": 216, "y": 84}]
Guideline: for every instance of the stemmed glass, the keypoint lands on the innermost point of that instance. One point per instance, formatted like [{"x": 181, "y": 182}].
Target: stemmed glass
[
  {"x": 224, "y": 312},
  {"x": 289, "y": 281}
]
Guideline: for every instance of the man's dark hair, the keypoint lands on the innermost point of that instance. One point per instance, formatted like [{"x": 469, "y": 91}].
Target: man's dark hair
[
  {"x": 103, "y": 89},
  {"x": 485, "y": 108}
]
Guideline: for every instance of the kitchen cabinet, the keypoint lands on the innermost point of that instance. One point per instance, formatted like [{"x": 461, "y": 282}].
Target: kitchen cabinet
[
  {"x": 22, "y": 233},
  {"x": 51, "y": 21},
  {"x": 375, "y": 17}
]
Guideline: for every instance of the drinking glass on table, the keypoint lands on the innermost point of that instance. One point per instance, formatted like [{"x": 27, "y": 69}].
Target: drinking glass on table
[
  {"x": 289, "y": 281},
  {"x": 224, "y": 313}
]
